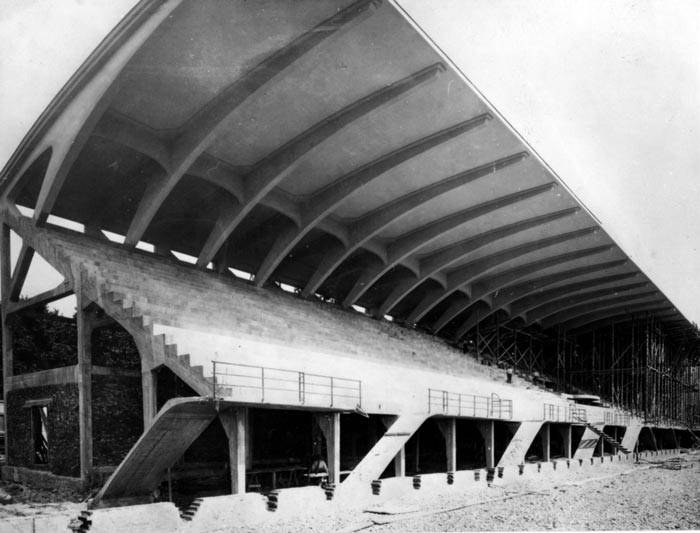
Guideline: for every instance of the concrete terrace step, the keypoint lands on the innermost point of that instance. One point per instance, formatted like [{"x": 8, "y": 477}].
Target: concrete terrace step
[{"x": 171, "y": 294}]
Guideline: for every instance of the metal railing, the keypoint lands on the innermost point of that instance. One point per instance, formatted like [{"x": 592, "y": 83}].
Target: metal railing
[
  {"x": 457, "y": 404},
  {"x": 277, "y": 385},
  {"x": 563, "y": 413}
]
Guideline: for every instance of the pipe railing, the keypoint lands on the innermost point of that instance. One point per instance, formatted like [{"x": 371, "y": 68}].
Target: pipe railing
[
  {"x": 563, "y": 413},
  {"x": 458, "y": 404},
  {"x": 277, "y": 385}
]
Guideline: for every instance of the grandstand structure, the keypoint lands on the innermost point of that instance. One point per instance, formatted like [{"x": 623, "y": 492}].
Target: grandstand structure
[{"x": 320, "y": 240}]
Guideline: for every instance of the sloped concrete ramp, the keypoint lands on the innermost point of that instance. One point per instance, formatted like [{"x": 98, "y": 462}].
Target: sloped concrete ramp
[
  {"x": 177, "y": 425},
  {"x": 384, "y": 451},
  {"x": 631, "y": 436},
  {"x": 519, "y": 444}
]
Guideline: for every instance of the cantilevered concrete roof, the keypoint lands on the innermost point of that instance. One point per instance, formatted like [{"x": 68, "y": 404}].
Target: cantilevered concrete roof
[{"x": 326, "y": 145}]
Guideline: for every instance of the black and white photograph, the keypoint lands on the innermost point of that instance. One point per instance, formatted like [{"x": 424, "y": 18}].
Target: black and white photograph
[{"x": 349, "y": 265}]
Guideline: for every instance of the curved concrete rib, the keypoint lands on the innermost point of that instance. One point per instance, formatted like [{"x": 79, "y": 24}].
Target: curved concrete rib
[
  {"x": 462, "y": 276},
  {"x": 513, "y": 294},
  {"x": 523, "y": 305},
  {"x": 483, "y": 288},
  {"x": 431, "y": 265},
  {"x": 411, "y": 242},
  {"x": 71, "y": 129},
  {"x": 657, "y": 306},
  {"x": 323, "y": 202},
  {"x": 592, "y": 308},
  {"x": 562, "y": 304},
  {"x": 372, "y": 223},
  {"x": 617, "y": 318},
  {"x": 201, "y": 130},
  {"x": 269, "y": 172}
]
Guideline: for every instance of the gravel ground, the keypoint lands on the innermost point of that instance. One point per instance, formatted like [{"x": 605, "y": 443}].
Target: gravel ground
[{"x": 611, "y": 496}]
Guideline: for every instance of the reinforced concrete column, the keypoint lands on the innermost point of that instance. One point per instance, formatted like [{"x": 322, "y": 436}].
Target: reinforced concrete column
[
  {"x": 5, "y": 278},
  {"x": 448, "y": 428},
  {"x": 235, "y": 422},
  {"x": 675, "y": 439},
  {"x": 566, "y": 439},
  {"x": 84, "y": 329},
  {"x": 601, "y": 446},
  {"x": 330, "y": 427},
  {"x": 487, "y": 430},
  {"x": 149, "y": 394},
  {"x": 546, "y": 442}
]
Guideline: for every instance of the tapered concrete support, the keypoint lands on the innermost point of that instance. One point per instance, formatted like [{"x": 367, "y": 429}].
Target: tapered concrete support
[
  {"x": 487, "y": 430},
  {"x": 448, "y": 428},
  {"x": 565, "y": 432},
  {"x": 330, "y": 427},
  {"x": 235, "y": 423},
  {"x": 546, "y": 442},
  {"x": 84, "y": 328},
  {"x": 601, "y": 446},
  {"x": 149, "y": 394}
]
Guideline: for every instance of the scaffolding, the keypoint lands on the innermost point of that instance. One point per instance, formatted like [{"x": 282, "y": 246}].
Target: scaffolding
[{"x": 634, "y": 365}]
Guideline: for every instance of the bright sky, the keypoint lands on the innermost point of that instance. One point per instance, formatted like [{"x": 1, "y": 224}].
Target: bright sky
[{"x": 608, "y": 93}]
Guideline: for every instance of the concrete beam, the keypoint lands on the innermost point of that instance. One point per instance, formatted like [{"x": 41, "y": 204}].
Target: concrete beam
[
  {"x": 202, "y": 129},
  {"x": 235, "y": 423},
  {"x": 372, "y": 223},
  {"x": 275, "y": 167},
  {"x": 575, "y": 311},
  {"x": 79, "y": 115},
  {"x": 24, "y": 261},
  {"x": 46, "y": 297},
  {"x": 493, "y": 284},
  {"x": 526, "y": 302},
  {"x": 439, "y": 260},
  {"x": 514, "y": 293},
  {"x": 407, "y": 244},
  {"x": 462, "y": 276},
  {"x": 321, "y": 204}
]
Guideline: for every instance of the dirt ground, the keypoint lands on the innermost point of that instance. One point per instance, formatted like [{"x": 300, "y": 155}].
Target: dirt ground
[
  {"x": 29, "y": 502},
  {"x": 614, "y": 496}
]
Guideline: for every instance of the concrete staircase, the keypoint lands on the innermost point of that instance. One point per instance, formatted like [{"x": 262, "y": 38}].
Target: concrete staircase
[{"x": 607, "y": 438}]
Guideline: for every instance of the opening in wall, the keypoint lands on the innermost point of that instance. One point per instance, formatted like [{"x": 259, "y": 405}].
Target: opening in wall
[{"x": 40, "y": 434}]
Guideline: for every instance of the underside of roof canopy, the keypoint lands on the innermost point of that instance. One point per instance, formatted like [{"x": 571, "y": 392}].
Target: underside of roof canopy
[{"x": 326, "y": 145}]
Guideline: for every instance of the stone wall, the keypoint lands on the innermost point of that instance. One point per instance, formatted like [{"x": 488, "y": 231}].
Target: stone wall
[
  {"x": 117, "y": 417},
  {"x": 63, "y": 428}
]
